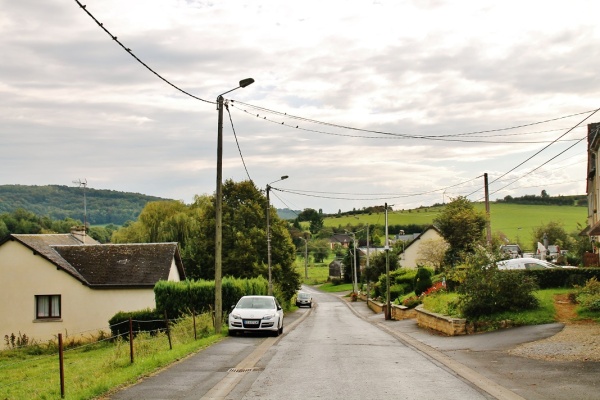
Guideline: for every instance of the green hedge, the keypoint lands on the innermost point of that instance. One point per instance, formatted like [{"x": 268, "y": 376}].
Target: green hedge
[
  {"x": 143, "y": 320},
  {"x": 179, "y": 298},
  {"x": 563, "y": 277}
]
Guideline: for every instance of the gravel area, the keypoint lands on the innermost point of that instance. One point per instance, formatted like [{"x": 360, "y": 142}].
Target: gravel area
[{"x": 578, "y": 341}]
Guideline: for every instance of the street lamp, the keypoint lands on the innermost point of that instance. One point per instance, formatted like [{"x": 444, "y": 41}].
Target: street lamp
[
  {"x": 219, "y": 209},
  {"x": 269, "y": 232}
]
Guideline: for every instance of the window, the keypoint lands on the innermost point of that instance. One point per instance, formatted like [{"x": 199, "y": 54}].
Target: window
[{"x": 47, "y": 306}]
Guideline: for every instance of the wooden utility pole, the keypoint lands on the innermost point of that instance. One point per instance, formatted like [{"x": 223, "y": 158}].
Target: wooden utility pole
[{"x": 488, "y": 226}]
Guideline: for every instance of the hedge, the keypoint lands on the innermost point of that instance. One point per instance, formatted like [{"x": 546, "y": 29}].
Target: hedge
[
  {"x": 179, "y": 298},
  {"x": 143, "y": 320},
  {"x": 563, "y": 277}
]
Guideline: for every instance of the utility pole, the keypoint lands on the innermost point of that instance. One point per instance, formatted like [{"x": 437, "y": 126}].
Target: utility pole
[
  {"x": 488, "y": 226},
  {"x": 388, "y": 310},
  {"x": 219, "y": 210},
  {"x": 367, "y": 265}
]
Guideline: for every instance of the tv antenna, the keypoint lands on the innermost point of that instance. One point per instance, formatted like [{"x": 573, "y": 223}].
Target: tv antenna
[{"x": 84, "y": 185}]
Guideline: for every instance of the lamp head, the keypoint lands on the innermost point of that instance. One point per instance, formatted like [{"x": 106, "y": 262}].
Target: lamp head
[
  {"x": 246, "y": 82},
  {"x": 284, "y": 177}
]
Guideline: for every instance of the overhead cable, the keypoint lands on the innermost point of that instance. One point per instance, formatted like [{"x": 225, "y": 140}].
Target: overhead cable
[{"x": 128, "y": 50}]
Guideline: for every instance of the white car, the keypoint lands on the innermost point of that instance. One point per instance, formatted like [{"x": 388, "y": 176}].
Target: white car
[
  {"x": 256, "y": 314},
  {"x": 524, "y": 263}
]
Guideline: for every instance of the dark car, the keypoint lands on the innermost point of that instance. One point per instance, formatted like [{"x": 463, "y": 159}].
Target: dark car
[{"x": 304, "y": 299}]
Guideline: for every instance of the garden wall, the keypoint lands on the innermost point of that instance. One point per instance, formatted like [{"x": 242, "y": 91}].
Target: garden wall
[{"x": 447, "y": 325}]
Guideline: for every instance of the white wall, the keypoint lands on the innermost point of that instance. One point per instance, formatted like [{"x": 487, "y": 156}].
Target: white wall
[
  {"x": 84, "y": 311},
  {"x": 411, "y": 254}
]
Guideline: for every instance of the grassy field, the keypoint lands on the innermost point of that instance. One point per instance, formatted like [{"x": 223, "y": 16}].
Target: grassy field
[{"x": 515, "y": 221}]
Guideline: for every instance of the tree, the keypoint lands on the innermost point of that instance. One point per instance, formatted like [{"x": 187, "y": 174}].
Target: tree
[
  {"x": 555, "y": 232},
  {"x": 462, "y": 227},
  {"x": 320, "y": 249},
  {"x": 244, "y": 248},
  {"x": 432, "y": 253}
]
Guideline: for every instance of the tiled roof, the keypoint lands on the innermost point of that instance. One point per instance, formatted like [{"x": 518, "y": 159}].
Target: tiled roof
[
  {"x": 105, "y": 265},
  {"x": 122, "y": 264},
  {"x": 41, "y": 244}
]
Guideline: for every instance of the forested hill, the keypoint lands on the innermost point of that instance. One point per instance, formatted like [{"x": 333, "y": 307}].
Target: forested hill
[{"x": 60, "y": 202}]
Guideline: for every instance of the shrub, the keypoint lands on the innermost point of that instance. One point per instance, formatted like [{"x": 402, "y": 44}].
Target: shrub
[
  {"x": 422, "y": 280},
  {"x": 487, "y": 291},
  {"x": 588, "y": 296}
]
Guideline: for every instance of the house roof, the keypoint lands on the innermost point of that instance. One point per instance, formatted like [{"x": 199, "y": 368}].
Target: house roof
[
  {"x": 122, "y": 264},
  {"x": 106, "y": 265},
  {"x": 340, "y": 238},
  {"x": 421, "y": 234}
]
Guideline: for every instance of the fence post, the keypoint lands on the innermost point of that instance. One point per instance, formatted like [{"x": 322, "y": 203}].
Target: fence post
[
  {"x": 194, "y": 318},
  {"x": 131, "y": 340},
  {"x": 168, "y": 331},
  {"x": 61, "y": 364}
]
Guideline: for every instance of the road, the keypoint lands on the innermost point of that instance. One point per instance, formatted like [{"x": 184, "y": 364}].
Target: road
[{"x": 326, "y": 352}]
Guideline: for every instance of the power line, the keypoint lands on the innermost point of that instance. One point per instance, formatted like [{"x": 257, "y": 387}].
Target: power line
[
  {"x": 236, "y": 142},
  {"x": 128, "y": 50},
  {"x": 544, "y": 148},
  {"x": 392, "y": 134}
]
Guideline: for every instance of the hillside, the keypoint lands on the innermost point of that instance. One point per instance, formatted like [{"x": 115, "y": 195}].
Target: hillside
[
  {"x": 60, "y": 202},
  {"x": 516, "y": 221}
]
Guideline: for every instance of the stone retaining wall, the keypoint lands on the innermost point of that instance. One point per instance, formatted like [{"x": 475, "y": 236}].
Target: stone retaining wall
[
  {"x": 402, "y": 312},
  {"x": 441, "y": 323}
]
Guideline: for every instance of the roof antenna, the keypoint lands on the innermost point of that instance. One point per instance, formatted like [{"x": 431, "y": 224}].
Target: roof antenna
[{"x": 84, "y": 185}]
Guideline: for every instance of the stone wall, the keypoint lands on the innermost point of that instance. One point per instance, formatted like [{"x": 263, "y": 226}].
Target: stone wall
[
  {"x": 447, "y": 325},
  {"x": 402, "y": 312}
]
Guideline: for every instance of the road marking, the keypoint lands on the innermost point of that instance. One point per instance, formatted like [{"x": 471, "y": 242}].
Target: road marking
[{"x": 236, "y": 374}]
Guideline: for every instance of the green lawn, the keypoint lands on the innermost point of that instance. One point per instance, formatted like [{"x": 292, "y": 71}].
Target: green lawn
[
  {"x": 515, "y": 221},
  {"x": 444, "y": 303}
]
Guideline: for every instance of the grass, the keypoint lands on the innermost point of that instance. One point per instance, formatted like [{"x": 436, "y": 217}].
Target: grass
[
  {"x": 445, "y": 303},
  {"x": 94, "y": 370},
  {"x": 516, "y": 221},
  {"x": 331, "y": 288}
]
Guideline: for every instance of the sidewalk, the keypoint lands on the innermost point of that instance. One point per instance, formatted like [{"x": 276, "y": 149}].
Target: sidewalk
[{"x": 486, "y": 355}]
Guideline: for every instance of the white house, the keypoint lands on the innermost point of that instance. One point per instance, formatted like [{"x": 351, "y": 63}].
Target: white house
[
  {"x": 413, "y": 252},
  {"x": 52, "y": 284}
]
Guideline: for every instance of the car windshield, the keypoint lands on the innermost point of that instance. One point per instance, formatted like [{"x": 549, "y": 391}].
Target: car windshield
[
  {"x": 303, "y": 296},
  {"x": 256, "y": 302}
]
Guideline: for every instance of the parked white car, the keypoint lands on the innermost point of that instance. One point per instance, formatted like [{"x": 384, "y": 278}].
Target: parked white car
[
  {"x": 525, "y": 263},
  {"x": 256, "y": 314}
]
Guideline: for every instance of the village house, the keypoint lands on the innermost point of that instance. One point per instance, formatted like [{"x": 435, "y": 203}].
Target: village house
[{"x": 56, "y": 283}]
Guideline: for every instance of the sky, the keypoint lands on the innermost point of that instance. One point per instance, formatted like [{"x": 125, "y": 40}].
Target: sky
[{"x": 360, "y": 103}]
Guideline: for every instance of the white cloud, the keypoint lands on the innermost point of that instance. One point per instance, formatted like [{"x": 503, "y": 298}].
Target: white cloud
[{"x": 74, "y": 104}]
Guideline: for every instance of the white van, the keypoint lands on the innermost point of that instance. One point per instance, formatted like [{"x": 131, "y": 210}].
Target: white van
[{"x": 525, "y": 263}]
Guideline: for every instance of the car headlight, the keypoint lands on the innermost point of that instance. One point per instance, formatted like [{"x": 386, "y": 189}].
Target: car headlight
[
  {"x": 269, "y": 316},
  {"x": 236, "y": 316}
]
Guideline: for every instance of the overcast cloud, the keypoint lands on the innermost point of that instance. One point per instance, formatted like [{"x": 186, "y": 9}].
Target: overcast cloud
[{"x": 74, "y": 105}]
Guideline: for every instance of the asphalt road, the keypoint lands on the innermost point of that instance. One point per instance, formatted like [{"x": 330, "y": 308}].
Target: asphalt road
[{"x": 341, "y": 350}]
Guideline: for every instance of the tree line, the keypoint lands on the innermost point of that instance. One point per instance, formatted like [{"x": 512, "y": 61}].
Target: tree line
[{"x": 65, "y": 202}]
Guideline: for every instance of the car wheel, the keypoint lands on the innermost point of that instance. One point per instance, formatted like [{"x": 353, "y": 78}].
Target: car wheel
[
  {"x": 310, "y": 305},
  {"x": 280, "y": 332},
  {"x": 232, "y": 333}
]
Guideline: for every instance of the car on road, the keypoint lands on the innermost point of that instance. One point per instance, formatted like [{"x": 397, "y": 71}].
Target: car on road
[
  {"x": 303, "y": 299},
  {"x": 256, "y": 314},
  {"x": 524, "y": 263}
]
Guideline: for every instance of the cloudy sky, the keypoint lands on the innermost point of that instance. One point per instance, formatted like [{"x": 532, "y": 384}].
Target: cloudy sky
[{"x": 359, "y": 102}]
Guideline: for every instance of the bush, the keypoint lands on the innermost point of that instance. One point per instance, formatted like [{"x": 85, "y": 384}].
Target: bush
[
  {"x": 422, "y": 280},
  {"x": 588, "y": 296},
  {"x": 487, "y": 291}
]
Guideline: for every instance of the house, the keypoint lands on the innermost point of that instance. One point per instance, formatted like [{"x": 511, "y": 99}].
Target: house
[
  {"x": 340, "y": 239},
  {"x": 593, "y": 191},
  {"x": 414, "y": 251},
  {"x": 55, "y": 283}
]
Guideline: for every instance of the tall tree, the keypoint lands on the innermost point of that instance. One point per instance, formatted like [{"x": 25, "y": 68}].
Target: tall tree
[{"x": 462, "y": 226}]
